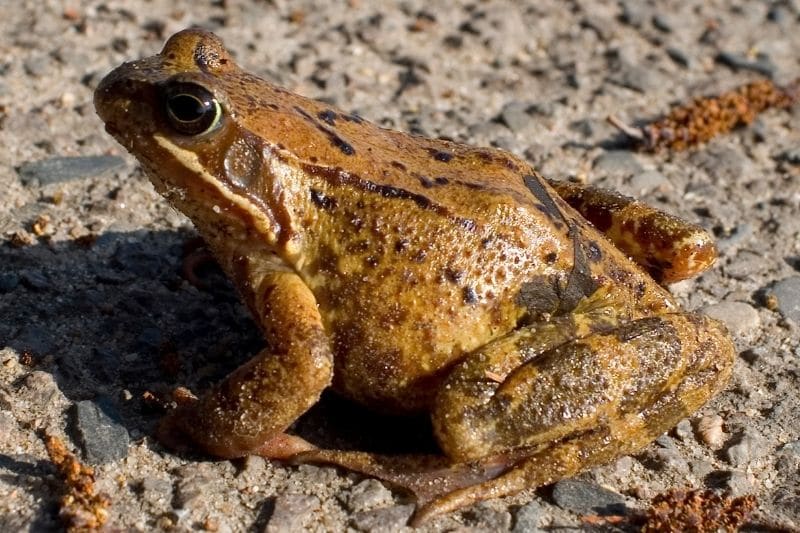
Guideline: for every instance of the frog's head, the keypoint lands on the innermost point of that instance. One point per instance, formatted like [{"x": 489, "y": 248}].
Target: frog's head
[{"x": 179, "y": 113}]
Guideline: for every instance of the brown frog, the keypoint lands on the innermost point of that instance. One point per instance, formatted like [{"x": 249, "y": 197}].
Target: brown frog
[{"x": 417, "y": 275}]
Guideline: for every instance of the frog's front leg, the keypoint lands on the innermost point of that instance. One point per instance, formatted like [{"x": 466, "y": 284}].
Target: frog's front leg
[
  {"x": 249, "y": 410},
  {"x": 577, "y": 404},
  {"x": 669, "y": 248}
]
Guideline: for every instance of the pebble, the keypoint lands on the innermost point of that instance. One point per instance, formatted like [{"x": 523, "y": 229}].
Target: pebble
[
  {"x": 61, "y": 169},
  {"x": 102, "y": 438},
  {"x": 383, "y": 520},
  {"x": 367, "y": 495},
  {"x": 732, "y": 481},
  {"x": 634, "y": 13},
  {"x": 722, "y": 163},
  {"x": 195, "y": 482},
  {"x": 791, "y": 156},
  {"x": 740, "y": 318},
  {"x": 156, "y": 492},
  {"x": 291, "y": 512},
  {"x": 484, "y": 517},
  {"x": 35, "y": 280},
  {"x": 515, "y": 115},
  {"x": 737, "y": 236},
  {"x": 39, "y": 388},
  {"x": 583, "y": 497},
  {"x": 644, "y": 182},
  {"x": 638, "y": 77},
  {"x": 787, "y": 292},
  {"x": 709, "y": 430},
  {"x": 747, "y": 448},
  {"x": 684, "y": 430},
  {"x": 528, "y": 518},
  {"x": 679, "y": 56},
  {"x": 762, "y": 64},
  {"x": 617, "y": 162},
  {"x": 663, "y": 23}
]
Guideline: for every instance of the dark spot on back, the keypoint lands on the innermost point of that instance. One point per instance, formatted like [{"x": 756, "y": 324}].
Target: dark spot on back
[
  {"x": 470, "y": 297},
  {"x": 580, "y": 282},
  {"x": 323, "y": 201},
  {"x": 398, "y": 165},
  {"x": 401, "y": 245},
  {"x": 453, "y": 275},
  {"x": 550, "y": 258},
  {"x": 353, "y": 118},
  {"x": 426, "y": 182},
  {"x": 441, "y": 180},
  {"x": 328, "y": 116},
  {"x": 549, "y": 207},
  {"x": 538, "y": 296},
  {"x": 593, "y": 252},
  {"x": 439, "y": 155},
  {"x": 344, "y": 146}
]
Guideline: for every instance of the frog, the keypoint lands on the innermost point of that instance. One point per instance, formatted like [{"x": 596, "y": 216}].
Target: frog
[{"x": 529, "y": 318}]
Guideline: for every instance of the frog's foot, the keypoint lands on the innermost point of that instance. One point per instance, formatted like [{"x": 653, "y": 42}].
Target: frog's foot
[
  {"x": 427, "y": 477},
  {"x": 669, "y": 248},
  {"x": 574, "y": 404}
]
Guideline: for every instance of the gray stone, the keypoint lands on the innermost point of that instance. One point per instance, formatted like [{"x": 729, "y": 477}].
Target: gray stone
[
  {"x": 35, "y": 280},
  {"x": 746, "y": 448},
  {"x": 722, "y": 163},
  {"x": 791, "y": 448},
  {"x": 484, "y": 517},
  {"x": 195, "y": 482},
  {"x": 738, "y": 235},
  {"x": 739, "y": 317},
  {"x": 515, "y": 115},
  {"x": 60, "y": 169},
  {"x": 787, "y": 292},
  {"x": 582, "y": 497},
  {"x": 617, "y": 162},
  {"x": 684, "y": 430},
  {"x": 155, "y": 492},
  {"x": 528, "y": 518},
  {"x": 367, "y": 495},
  {"x": 791, "y": 156},
  {"x": 102, "y": 438},
  {"x": 383, "y": 520},
  {"x": 634, "y": 13},
  {"x": 38, "y": 66},
  {"x": 762, "y": 64},
  {"x": 640, "y": 78},
  {"x": 663, "y": 22},
  {"x": 679, "y": 56},
  {"x": 291, "y": 513},
  {"x": 649, "y": 180},
  {"x": 669, "y": 459}
]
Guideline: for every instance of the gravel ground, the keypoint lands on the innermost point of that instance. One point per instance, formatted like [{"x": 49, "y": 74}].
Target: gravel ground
[{"x": 94, "y": 312}]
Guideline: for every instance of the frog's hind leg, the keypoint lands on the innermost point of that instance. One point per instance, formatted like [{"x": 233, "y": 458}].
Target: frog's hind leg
[
  {"x": 669, "y": 248},
  {"x": 577, "y": 404}
]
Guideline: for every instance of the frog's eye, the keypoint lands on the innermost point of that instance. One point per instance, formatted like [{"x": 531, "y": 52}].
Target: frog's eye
[{"x": 191, "y": 109}]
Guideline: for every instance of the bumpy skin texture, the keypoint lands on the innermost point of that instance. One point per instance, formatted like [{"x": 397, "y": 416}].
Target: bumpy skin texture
[{"x": 415, "y": 275}]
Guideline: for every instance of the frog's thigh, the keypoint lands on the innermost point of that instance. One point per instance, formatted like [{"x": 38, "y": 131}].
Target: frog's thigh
[
  {"x": 580, "y": 404},
  {"x": 600, "y": 381},
  {"x": 259, "y": 400},
  {"x": 669, "y": 248}
]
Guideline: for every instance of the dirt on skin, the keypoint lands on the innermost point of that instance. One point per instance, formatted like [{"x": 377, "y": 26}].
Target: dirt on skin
[{"x": 97, "y": 321}]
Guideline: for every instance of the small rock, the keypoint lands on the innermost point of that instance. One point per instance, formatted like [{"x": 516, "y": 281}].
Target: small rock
[
  {"x": 737, "y": 235},
  {"x": 291, "y": 513},
  {"x": 700, "y": 468},
  {"x": 634, "y": 14},
  {"x": 39, "y": 388},
  {"x": 791, "y": 448},
  {"x": 762, "y": 64},
  {"x": 617, "y": 162},
  {"x": 791, "y": 156},
  {"x": 367, "y": 495},
  {"x": 582, "y": 497},
  {"x": 731, "y": 481},
  {"x": 647, "y": 181},
  {"x": 679, "y": 56},
  {"x": 195, "y": 482},
  {"x": 787, "y": 292},
  {"x": 156, "y": 492},
  {"x": 383, "y": 520},
  {"x": 745, "y": 450},
  {"x": 722, "y": 163},
  {"x": 669, "y": 458},
  {"x": 638, "y": 77},
  {"x": 38, "y": 66},
  {"x": 484, "y": 517},
  {"x": 35, "y": 280},
  {"x": 667, "y": 442},
  {"x": 709, "y": 430},
  {"x": 102, "y": 438},
  {"x": 515, "y": 115},
  {"x": 60, "y": 169},
  {"x": 739, "y": 317},
  {"x": 528, "y": 518},
  {"x": 662, "y": 22},
  {"x": 684, "y": 430}
]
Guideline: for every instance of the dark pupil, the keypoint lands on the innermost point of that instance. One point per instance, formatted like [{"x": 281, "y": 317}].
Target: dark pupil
[{"x": 187, "y": 108}]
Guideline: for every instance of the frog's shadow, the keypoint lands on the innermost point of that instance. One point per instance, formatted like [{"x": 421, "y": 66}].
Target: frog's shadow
[{"x": 116, "y": 315}]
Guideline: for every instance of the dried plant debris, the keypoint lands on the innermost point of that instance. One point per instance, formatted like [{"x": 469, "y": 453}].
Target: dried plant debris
[
  {"x": 697, "y": 511},
  {"x": 690, "y": 125},
  {"x": 81, "y": 509}
]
